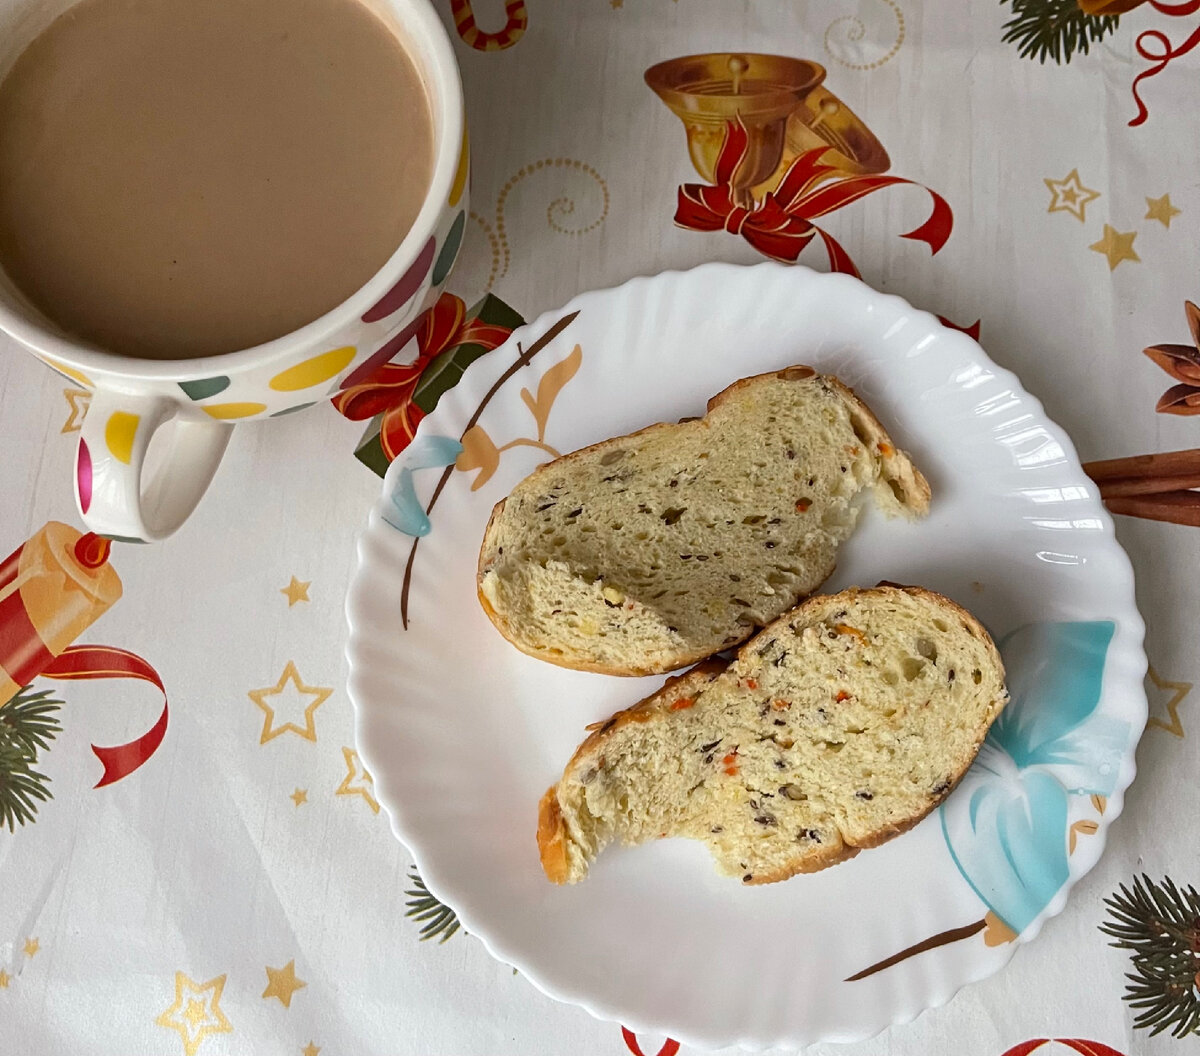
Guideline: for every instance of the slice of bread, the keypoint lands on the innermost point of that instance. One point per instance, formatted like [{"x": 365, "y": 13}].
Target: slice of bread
[
  {"x": 839, "y": 726},
  {"x": 648, "y": 552}
]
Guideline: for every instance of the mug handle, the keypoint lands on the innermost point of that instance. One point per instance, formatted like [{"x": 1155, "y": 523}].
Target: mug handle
[{"x": 109, "y": 488}]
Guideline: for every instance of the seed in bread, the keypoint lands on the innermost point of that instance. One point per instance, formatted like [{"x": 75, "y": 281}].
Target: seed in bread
[
  {"x": 648, "y": 552},
  {"x": 839, "y": 726}
]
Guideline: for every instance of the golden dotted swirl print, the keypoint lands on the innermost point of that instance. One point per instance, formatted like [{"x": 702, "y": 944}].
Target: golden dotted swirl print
[
  {"x": 850, "y": 29},
  {"x": 559, "y": 212}
]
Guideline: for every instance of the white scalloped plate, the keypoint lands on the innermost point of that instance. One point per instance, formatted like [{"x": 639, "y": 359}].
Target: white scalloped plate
[{"x": 463, "y": 734}]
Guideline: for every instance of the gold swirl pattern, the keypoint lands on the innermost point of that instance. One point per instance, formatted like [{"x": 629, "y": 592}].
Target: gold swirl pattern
[
  {"x": 558, "y": 211},
  {"x": 856, "y": 30},
  {"x": 494, "y": 244}
]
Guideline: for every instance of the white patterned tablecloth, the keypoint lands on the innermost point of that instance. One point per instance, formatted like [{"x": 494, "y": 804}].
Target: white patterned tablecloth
[{"x": 240, "y": 892}]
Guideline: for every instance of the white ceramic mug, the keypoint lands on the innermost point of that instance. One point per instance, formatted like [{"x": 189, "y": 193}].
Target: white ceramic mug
[{"x": 198, "y": 400}]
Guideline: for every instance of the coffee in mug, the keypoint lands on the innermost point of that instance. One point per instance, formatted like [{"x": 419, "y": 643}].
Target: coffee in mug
[
  {"x": 215, "y": 212},
  {"x": 183, "y": 178}
]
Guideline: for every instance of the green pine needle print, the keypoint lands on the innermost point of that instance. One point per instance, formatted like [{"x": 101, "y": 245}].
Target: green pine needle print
[
  {"x": 1160, "y": 925},
  {"x": 28, "y": 724},
  {"x": 1054, "y": 29},
  {"x": 439, "y": 920}
]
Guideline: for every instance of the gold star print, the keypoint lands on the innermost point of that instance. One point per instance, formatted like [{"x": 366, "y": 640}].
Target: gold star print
[
  {"x": 1178, "y": 690},
  {"x": 319, "y": 695},
  {"x": 282, "y": 983},
  {"x": 31, "y": 947},
  {"x": 80, "y": 400},
  {"x": 357, "y": 782},
  {"x": 1069, "y": 195},
  {"x": 295, "y": 591},
  {"x": 1161, "y": 209},
  {"x": 5, "y": 979},
  {"x": 193, "y": 1014},
  {"x": 1116, "y": 246},
  {"x": 299, "y": 796},
  {"x": 311, "y": 1050},
  {"x": 614, "y": 4}
]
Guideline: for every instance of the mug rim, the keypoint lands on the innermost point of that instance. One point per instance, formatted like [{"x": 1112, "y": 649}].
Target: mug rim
[{"x": 434, "y": 49}]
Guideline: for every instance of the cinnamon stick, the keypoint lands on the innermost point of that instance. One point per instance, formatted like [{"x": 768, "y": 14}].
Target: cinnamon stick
[
  {"x": 1156, "y": 487},
  {"x": 1175, "y": 507},
  {"x": 1123, "y": 486},
  {"x": 1166, "y": 465}
]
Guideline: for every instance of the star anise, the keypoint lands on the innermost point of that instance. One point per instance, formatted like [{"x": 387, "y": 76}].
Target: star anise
[{"x": 1182, "y": 362}]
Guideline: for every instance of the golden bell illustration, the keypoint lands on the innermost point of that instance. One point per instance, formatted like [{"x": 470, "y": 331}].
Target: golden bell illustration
[{"x": 784, "y": 106}]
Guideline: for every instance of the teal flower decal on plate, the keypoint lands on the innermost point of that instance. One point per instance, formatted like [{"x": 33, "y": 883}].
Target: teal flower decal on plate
[
  {"x": 426, "y": 452},
  {"x": 1006, "y": 825}
]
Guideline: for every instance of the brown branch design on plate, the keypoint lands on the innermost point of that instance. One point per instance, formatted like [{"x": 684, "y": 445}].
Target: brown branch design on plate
[
  {"x": 524, "y": 356},
  {"x": 995, "y": 931}
]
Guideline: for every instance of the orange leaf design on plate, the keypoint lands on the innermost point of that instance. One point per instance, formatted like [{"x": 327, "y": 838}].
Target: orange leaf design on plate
[
  {"x": 996, "y": 932},
  {"x": 549, "y": 387},
  {"x": 1099, "y": 802},
  {"x": 478, "y": 453},
  {"x": 1088, "y": 828}
]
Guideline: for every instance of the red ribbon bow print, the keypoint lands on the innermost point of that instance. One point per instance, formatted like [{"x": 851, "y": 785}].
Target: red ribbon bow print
[
  {"x": 781, "y": 225},
  {"x": 390, "y": 389}
]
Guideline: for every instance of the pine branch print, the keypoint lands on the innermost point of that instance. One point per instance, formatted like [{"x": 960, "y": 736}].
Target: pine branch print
[
  {"x": 1160, "y": 925},
  {"x": 28, "y": 724},
  {"x": 439, "y": 920},
  {"x": 1054, "y": 29}
]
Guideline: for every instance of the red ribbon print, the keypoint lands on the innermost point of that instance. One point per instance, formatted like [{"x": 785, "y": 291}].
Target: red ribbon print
[
  {"x": 971, "y": 331},
  {"x": 390, "y": 389},
  {"x": 1085, "y": 1048},
  {"x": 86, "y": 662},
  {"x": 1164, "y": 57},
  {"x": 669, "y": 1048},
  {"x": 781, "y": 225}
]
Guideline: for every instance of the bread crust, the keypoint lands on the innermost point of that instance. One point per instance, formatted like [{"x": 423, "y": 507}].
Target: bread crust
[
  {"x": 552, "y": 838},
  {"x": 897, "y": 465},
  {"x": 552, "y": 827},
  {"x": 552, "y": 833}
]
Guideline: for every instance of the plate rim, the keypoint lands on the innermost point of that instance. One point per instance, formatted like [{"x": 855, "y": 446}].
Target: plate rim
[{"x": 1130, "y": 621}]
